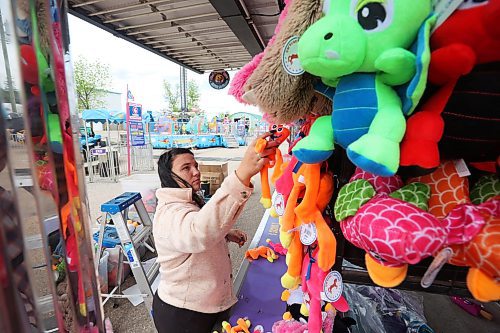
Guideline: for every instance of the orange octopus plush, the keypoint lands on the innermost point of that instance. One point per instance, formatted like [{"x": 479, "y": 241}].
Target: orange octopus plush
[
  {"x": 316, "y": 188},
  {"x": 279, "y": 133}
]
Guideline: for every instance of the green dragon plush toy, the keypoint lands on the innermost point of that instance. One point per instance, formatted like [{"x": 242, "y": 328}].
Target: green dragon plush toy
[{"x": 361, "y": 47}]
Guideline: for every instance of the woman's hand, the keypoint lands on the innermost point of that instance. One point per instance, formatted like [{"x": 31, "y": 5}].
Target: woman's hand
[
  {"x": 253, "y": 162},
  {"x": 237, "y": 236}
]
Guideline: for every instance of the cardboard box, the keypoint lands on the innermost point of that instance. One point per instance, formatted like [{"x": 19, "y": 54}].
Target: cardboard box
[{"x": 214, "y": 174}]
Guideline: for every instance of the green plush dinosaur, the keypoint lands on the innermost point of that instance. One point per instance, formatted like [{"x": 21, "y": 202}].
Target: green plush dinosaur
[{"x": 361, "y": 47}]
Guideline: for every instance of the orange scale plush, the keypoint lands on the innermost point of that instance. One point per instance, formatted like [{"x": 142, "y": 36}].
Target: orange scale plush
[
  {"x": 482, "y": 254},
  {"x": 448, "y": 189}
]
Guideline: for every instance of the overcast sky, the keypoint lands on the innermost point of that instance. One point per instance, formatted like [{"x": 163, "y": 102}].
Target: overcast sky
[{"x": 143, "y": 71}]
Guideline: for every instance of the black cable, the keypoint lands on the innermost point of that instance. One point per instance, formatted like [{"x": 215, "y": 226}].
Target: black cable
[
  {"x": 253, "y": 14},
  {"x": 266, "y": 15}
]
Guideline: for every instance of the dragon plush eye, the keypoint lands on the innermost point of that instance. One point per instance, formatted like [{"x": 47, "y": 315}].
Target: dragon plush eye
[
  {"x": 374, "y": 15},
  {"x": 280, "y": 129}
]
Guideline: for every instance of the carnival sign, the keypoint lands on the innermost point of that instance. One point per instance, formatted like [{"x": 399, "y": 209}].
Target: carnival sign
[{"x": 218, "y": 79}]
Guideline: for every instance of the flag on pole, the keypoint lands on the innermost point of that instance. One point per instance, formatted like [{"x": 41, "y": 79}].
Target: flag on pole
[{"x": 129, "y": 95}]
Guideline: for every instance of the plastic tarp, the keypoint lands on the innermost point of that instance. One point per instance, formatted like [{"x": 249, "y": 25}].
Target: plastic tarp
[
  {"x": 96, "y": 116},
  {"x": 117, "y": 117},
  {"x": 103, "y": 116}
]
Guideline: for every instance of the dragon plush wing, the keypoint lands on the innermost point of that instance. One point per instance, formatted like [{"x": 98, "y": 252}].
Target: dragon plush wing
[{"x": 411, "y": 92}]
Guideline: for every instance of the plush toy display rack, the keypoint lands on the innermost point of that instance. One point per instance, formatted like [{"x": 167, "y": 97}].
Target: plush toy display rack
[{"x": 451, "y": 280}]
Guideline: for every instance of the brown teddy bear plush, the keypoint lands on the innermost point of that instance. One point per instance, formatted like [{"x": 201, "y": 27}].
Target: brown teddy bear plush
[{"x": 285, "y": 97}]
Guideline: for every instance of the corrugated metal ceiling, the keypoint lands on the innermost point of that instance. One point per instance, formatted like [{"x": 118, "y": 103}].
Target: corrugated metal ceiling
[{"x": 201, "y": 35}]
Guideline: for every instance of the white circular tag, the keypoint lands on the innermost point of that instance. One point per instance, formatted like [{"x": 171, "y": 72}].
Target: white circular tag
[
  {"x": 333, "y": 287},
  {"x": 290, "y": 57},
  {"x": 279, "y": 204},
  {"x": 308, "y": 233}
]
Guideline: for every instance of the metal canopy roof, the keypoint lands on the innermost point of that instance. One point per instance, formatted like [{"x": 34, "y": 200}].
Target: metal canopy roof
[{"x": 201, "y": 35}]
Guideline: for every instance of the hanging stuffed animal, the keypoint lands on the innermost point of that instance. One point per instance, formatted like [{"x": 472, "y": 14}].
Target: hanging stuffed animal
[
  {"x": 312, "y": 284},
  {"x": 391, "y": 223},
  {"x": 316, "y": 190},
  {"x": 240, "y": 79},
  {"x": 361, "y": 48},
  {"x": 284, "y": 97},
  {"x": 468, "y": 38},
  {"x": 482, "y": 253},
  {"x": 279, "y": 134}
]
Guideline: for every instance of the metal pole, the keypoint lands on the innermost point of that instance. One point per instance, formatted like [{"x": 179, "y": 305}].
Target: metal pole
[
  {"x": 128, "y": 134},
  {"x": 90, "y": 166},
  {"x": 7, "y": 66},
  {"x": 183, "y": 88}
]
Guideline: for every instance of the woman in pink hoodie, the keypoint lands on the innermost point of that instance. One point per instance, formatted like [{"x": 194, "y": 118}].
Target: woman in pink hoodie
[{"x": 196, "y": 289}]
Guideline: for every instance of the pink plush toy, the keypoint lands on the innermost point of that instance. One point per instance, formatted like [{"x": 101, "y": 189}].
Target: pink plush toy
[
  {"x": 312, "y": 283},
  {"x": 239, "y": 80},
  {"x": 394, "y": 227},
  {"x": 293, "y": 326},
  {"x": 277, "y": 247}
]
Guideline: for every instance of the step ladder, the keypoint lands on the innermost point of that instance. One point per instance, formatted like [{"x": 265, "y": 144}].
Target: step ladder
[{"x": 117, "y": 210}]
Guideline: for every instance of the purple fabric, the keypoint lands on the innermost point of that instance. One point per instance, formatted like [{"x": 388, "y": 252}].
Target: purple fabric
[{"x": 260, "y": 294}]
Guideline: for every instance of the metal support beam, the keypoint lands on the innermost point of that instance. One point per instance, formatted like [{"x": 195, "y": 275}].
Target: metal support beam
[
  {"x": 188, "y": 42},
  {"x": 155, "y": 12},
  {"x": 214, "y": 55},
  {"x": 87, "y": 3},
  {"x": 82, "y": 14},
  {"x": 233, "y": 13},
  {"x": 176, "y": 27},
  {"x": 185, "y": 18},
  {"x": 187, "y": 37},
  {"x": 199, "y": 32},
  {"x": 130, "y": 7},
  {"x": 205, "y": 51},
  {"x": 201, "y": 47},
  {"x": 210, "y": 60}
]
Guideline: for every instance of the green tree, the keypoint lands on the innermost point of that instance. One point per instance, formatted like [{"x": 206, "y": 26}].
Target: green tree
[
  {"x": 193, "y": 95},
  {"x": 92, "y": 80},
  {"x": 172, "y": 96}
]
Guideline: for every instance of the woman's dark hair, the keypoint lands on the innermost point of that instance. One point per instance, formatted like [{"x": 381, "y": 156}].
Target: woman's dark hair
[{"x": 168, "y": 178}]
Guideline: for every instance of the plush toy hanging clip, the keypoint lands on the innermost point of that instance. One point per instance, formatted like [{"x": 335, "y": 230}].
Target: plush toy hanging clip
[
  {"x": 361, "y": 49},
  {"x": 279, "y": 134}
]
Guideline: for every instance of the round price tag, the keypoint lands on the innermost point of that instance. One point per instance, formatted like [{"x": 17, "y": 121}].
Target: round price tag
[
  {"x": 279, "y": 204},
  {"x": 308, "y": 233},
  {"x": 333, "y": 287},
  {"x": 290, "y": 57}
]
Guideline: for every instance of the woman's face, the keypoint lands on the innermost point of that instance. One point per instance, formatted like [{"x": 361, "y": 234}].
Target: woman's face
[{"x": 185, "y": 166}]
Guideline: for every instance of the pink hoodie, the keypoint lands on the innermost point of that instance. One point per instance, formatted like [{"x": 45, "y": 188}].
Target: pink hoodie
[{"x": 193, "y": 254}]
